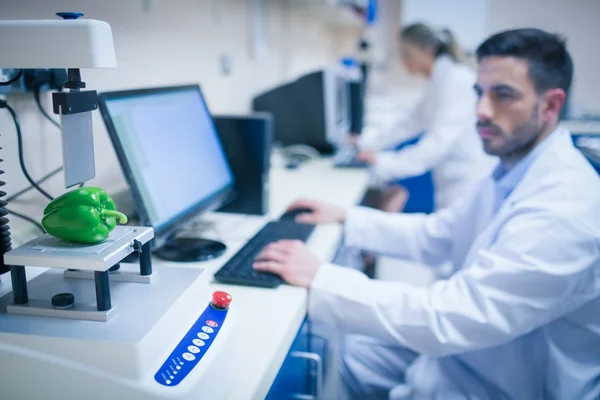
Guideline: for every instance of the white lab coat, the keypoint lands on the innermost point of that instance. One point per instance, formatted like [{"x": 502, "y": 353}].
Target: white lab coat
[
  {"x": 520, "y": 317},
  {"x": 450, "y": 146}
]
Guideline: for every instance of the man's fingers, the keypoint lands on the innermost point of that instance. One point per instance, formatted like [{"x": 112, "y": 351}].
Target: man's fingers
[
  {"x": 302, "y": 203},
  {"x": 271, "y": 253},
  {"x": 363, "y": 156},
  {"x": 268, "y": 266},
  {"x": 286, "y": 245},
  {"x": 307, "y": 218}
]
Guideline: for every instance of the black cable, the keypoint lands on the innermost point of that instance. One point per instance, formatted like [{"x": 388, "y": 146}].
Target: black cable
[
  {"x": 52, "y": 173},
  {"x": 4, "y": 104},
  {"x": 36, "y": 95},
  {"x": 42, "y": 180},
  {"x": 13, "y": 80},
  {"x": 26, "y": 218}
]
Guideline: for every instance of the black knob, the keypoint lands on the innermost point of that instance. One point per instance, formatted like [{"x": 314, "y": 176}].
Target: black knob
[
  {"x": 137, "y": 246},
  {"x": 63, "y": 300}
]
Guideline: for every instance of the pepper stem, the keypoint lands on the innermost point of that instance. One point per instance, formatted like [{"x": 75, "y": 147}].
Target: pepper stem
[{"x": 116, "y": 214}]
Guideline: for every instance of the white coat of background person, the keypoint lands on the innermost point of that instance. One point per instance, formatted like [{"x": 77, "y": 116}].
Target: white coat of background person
[
  {"x": 445, "y": 116},
  {"x": 519, "y": 318}
]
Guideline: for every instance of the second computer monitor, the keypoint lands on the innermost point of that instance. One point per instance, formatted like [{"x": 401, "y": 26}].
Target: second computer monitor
[{"x": 312, "y": 110}]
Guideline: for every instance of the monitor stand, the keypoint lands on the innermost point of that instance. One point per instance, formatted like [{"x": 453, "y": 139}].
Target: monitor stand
[{"x": 190, "y": 249}]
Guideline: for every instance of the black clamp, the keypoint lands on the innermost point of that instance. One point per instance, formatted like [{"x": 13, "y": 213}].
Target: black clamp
[{"x": 137, "y": 246}]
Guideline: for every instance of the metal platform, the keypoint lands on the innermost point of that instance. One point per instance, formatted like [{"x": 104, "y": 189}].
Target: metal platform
[
  {"x": 47, "y": 251},
  {"x": 87, "y": 261}
]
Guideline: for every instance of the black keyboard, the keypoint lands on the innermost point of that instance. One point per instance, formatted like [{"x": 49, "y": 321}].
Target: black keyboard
[{"x": 238, "y": 270}]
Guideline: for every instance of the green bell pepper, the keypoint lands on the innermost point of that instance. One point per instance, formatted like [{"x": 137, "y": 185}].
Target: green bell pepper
[{"x": 85, "y": 215}]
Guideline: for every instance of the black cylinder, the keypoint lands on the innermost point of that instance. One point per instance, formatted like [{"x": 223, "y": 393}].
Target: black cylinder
[
  {"x": 74, "y": 80},
  {"x": 63, "y": 300},
  {"x": 19, "y": 284},
  {"x": 103, "y": 302},
  {"x": 146, "y": 260}
]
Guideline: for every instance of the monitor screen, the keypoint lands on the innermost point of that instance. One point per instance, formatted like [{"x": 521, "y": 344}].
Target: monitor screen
[{"x": 170, "y": 152}]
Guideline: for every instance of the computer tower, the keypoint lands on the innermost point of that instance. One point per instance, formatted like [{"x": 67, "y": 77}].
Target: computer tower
[
  {"x": 356, "y": 108},
  {"x": 247, "y": 142},
  {"x": 313, "y": 110}
]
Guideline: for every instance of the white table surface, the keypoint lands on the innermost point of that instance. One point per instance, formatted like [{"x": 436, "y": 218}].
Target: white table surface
[{"x": 268, "y": 320}]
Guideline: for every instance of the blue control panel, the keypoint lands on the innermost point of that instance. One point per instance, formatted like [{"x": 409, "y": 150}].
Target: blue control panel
[{"x": 191, "y": 348}]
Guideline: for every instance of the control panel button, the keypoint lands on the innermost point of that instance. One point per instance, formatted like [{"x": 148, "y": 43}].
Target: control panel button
[
  {"x": 198, "y": 342},
  {"x": 212, "y": 323},
  {"x": 221, "y": 300},
  {"x": 193, "y": 349},
  {"x": 168, "y": 382},
  {"x": 203, "y": 336},
  {"x": 188, "y": 357},
  {"x": 207, "y": 329}
]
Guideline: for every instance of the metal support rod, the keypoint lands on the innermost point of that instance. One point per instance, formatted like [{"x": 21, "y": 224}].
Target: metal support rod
[
  {"x": 146, "y": 259},
  {"x": 102, "y": 290},
  {"x": 19, "y": 284}
]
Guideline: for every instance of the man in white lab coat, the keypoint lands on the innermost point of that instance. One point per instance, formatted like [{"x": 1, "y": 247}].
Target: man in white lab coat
[{"x": 520, "y": 316}]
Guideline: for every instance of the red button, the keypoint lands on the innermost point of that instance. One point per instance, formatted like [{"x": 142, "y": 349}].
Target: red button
[
  {"x": 221, "y": 299},
  {"x": 212, "y": 323}
]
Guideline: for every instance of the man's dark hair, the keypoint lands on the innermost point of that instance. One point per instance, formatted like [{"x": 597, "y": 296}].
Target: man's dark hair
[{"x": 550, "y": 65}]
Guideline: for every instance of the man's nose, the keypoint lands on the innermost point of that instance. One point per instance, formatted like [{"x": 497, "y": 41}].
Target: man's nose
[{"x": 485, "y": 111}]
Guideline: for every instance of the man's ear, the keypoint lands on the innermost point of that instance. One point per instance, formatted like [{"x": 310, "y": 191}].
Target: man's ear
[{"x": 554, "y": 100}]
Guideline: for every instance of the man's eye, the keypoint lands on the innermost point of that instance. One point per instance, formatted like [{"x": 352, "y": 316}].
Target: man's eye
[{"x": 504, "y": 96}]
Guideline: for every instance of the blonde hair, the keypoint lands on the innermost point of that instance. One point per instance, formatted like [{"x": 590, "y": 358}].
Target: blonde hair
[{"x": 441, "y": 42}]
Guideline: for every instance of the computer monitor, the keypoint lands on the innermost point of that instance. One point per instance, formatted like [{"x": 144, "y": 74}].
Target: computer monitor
[
  {"x": 173, "y": 160},
  {"x": 313, "y": 110}
]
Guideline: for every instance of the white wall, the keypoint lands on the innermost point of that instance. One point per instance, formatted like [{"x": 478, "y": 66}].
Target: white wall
[
  {"x": 175, "y": 42},
  {"x": 467, "y": 19},
  {"x": 474, "y": 20},
  {"x": 578, "y": 21}
]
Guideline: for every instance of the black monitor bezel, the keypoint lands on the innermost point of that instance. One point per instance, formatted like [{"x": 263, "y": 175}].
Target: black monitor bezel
[{"x": 169, "y": 228}]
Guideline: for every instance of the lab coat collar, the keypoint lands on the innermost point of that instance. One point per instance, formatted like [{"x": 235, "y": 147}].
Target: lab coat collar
[
  {"x": 506, "y": 181},
  {"x": 518, "y": 183}
]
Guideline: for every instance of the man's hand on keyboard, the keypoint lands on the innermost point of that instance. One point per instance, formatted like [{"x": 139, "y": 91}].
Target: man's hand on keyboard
[
  {"x": 367, "y": 156},
  {"x": 354, "y": 139},
  {"x": 316, "y": 212},
  {"x": 291, "y": 260}
]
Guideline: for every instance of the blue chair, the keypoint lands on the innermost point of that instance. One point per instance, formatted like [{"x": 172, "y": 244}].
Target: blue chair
[
  {"x": 420, "y": 188},
  {"x": 576, "y": 136}
]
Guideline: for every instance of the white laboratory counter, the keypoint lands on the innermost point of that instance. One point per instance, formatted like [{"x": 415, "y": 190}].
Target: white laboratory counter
[{"x": 267, "y": 320}]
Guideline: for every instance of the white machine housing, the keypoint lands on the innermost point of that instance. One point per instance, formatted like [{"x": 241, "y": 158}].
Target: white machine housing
[
  {"x": 79, "y": 43},
  {"x": 52, "y": 358},
  {"x": 63, "y": 43}
]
